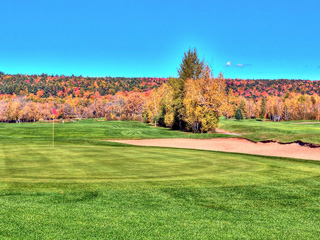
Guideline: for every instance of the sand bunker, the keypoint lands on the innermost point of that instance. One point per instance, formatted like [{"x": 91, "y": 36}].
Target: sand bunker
[
  {"x": 238, "y": 145},
  {"x": 307, "y": 123}
]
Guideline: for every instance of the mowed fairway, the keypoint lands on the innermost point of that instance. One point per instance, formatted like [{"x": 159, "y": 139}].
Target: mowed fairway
[
  {"x": 306, "y": 131},
  {"x": 86, "y": 188}
]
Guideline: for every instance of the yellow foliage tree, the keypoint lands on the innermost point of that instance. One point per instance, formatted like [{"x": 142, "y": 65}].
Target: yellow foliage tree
[
  {"x": 203, "y": 100},
  {"x": 228, "y": 106}
]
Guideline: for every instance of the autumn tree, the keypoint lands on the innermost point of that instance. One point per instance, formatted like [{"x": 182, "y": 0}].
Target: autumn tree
[
  {"x": 251, "y": 109},
  {"x": 158, "y": 106},
  {"x": 167, "y": 111},
  {"x": 228, "y": 107},
  {"x": 152, "y": 106},
  {"x": 190, "y": 68},
  {"x": 193, "y": 109},
  {"x": 203, "y": 100},
  {"x": 132, "y": 110}
]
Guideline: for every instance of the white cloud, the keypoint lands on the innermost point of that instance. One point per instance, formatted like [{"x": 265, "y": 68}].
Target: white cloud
[{"x": 240, "y": 65}]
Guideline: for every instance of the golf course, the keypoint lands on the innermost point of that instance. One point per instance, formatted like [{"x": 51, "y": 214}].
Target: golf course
[
  {"x": 159, "y": 120},
  {"x": 90, "y": 188}
]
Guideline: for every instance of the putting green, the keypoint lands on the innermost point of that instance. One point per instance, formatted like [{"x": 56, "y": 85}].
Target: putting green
[{"x": 85, "y": 188}]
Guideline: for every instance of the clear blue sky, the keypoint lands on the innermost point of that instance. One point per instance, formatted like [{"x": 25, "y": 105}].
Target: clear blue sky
[{"x": 241, "y": 38}]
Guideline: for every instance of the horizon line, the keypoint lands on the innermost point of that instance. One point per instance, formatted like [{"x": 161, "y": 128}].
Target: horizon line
[{"x": 67, "y": 75}]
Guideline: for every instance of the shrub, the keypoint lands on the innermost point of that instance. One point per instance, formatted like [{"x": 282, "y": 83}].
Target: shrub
[{"x": 239, "y": 114}]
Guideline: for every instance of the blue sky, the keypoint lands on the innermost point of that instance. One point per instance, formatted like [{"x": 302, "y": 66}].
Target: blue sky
[{"x": 241, "y": 38}]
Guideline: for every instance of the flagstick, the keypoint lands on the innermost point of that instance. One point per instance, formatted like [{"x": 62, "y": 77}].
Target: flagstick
[{"x": 52, "y": 131}]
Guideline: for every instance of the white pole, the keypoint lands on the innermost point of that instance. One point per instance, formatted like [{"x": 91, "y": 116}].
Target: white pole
[{"x": 53, "y": 131}]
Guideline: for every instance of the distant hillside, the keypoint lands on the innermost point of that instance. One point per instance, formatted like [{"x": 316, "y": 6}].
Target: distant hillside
[
  {"x": 265, "y": 87},
  {"x": 78, "y": 86}
]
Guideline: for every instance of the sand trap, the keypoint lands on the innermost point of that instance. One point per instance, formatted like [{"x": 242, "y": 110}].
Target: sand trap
[
  {"x": 307, "y": 123},
  {"x": 238, "y": 145}
]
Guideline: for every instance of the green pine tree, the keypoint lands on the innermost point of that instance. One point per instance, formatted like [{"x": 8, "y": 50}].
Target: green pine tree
[
  {"x": 263, "y": 108},
  {"x": 238, "y": 114},
  {"x": 191, "y": 67}
]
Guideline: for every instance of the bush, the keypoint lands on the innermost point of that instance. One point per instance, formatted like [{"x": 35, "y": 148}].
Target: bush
[{"x": 239, "y": 114}]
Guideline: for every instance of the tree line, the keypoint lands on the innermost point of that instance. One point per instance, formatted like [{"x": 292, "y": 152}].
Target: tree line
[
  {"x": 46, "y": 86},
  {"x": 292, "y": 106},
  {"x": 193, "y": 101},
  {"x": 156, "y": 107}
]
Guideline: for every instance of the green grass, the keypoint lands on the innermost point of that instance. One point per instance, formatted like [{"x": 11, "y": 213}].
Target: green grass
[
  {"x": 85, "y": 188},
  {"x": 280, "y": 131},
  {"x": 90, "y": 130}
]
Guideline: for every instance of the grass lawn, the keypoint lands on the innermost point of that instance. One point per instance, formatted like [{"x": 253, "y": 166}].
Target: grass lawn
[
  {"x": 281, "y": 131},
  {"x": 90, "y": 130},
  {"x": 85, "y": 188}
]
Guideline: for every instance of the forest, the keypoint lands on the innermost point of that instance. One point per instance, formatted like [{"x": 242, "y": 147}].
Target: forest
[
  {"x": 63, "y": 86},
  {"x": 193, "y": 101}
]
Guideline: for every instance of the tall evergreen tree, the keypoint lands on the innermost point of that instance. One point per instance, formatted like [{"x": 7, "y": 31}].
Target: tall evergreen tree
[
  {"x": 238, "y": 115},
  {"x": 190, "y": 68},
  {"x": 263, "y": 108}
]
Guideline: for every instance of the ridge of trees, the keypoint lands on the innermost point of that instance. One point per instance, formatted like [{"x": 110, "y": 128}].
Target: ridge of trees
[
  {"x": 45, "y": 86},
  {"x": 193, "y": 102}
]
